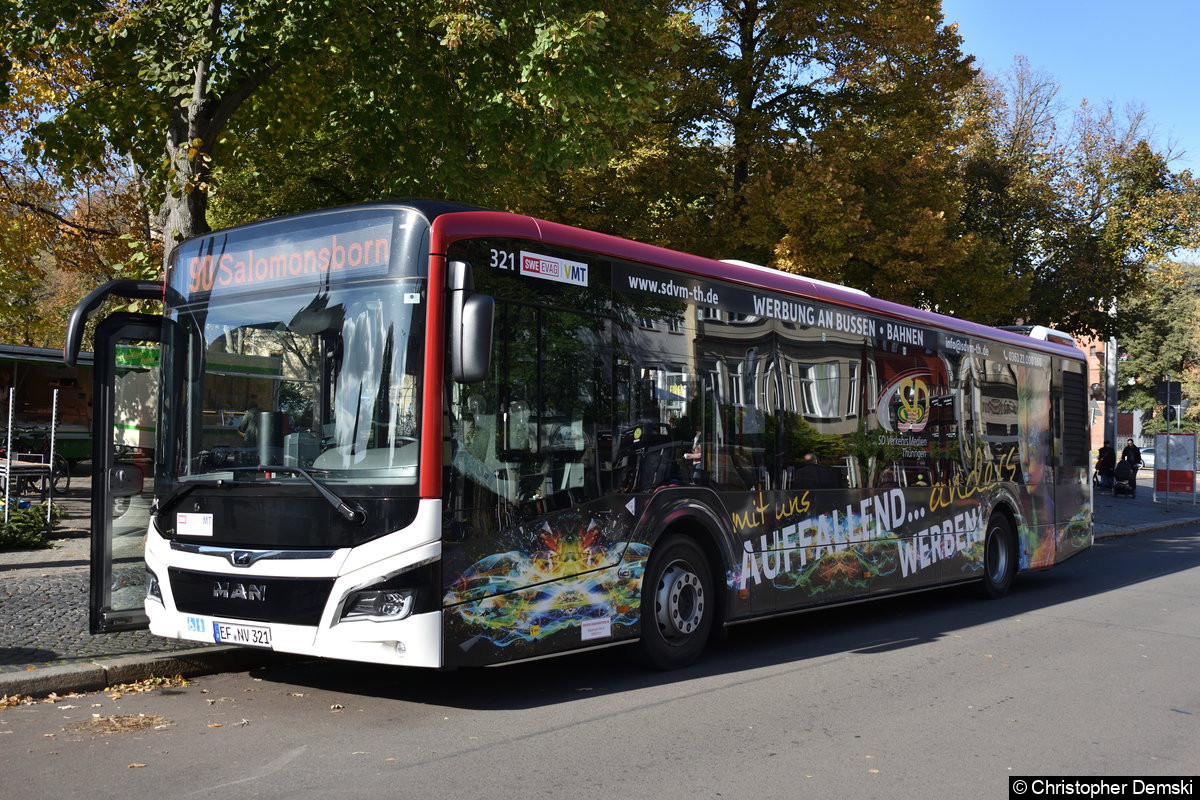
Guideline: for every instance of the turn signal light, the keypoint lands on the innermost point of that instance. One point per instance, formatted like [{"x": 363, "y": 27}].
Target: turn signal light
[{"x": 153, "y": 590}]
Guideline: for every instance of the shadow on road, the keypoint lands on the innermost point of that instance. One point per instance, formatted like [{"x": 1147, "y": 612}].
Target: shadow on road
[{"x": 863, "y": 629}]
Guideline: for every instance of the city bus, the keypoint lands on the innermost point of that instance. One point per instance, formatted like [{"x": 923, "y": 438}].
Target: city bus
[{"x": 460, "y": 437}]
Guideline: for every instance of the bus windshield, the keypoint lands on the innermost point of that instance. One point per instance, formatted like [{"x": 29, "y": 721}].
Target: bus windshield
[{"x": 326, "y": 380}]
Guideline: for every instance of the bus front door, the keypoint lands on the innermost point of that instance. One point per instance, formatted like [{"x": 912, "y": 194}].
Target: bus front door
[{"x": 125, "y": 394}]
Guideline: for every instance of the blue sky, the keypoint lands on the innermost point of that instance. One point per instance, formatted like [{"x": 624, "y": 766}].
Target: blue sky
[{"x": 1144, "y": 52}]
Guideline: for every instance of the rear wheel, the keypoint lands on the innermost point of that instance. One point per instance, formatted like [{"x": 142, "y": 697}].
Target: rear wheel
[
  {"x": 60, "y": 474},
  {"x": 677, "y": 603},
  {"x": 999, "y": 556}
]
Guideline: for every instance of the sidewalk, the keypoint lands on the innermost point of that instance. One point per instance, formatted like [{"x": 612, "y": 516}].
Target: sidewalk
[
  {"x": 45, "y": 646},
  {"x": 44, "y": 641}
]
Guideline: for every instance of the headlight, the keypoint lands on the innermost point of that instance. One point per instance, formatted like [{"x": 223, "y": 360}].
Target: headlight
[
  {"x": 377, "y": 604},
  {"x": 153, "y": 590},
  {"x": 413, "y": 591}
]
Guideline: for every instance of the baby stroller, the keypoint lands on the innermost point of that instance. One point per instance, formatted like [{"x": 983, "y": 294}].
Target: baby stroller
[{"x": 1123, "y": 485}]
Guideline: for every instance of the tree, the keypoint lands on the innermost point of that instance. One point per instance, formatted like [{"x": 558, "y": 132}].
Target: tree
[
  {"x": 664, "y": 181},
  {"x": 871, "y": 198},
  {"x": 1077, "y": 219},
  {"x": 1123, "y": 213},
  {"x": 184, "y": 86},
  {"x": 58, "y": 236},
  {"x": 478, "y": 111},
  {"x": 1162, "y": 339},
  {"x": 768, "y": 103},
  {"x": 1007, "y": 174}
]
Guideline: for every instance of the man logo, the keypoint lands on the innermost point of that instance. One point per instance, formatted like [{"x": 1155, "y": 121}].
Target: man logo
[{"x": 240, "y": 591}]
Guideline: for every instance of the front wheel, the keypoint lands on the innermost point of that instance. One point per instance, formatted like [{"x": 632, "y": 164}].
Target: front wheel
[
  {"x": 999, "y": 556},
  {"x": 677, "y": 603}
]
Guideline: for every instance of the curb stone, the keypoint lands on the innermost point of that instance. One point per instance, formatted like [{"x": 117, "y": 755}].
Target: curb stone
[{"x": 102, "y": 673}]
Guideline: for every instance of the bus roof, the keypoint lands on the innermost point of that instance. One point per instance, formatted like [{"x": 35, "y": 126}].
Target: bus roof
[
  {"x": 456, "y": 225},
  {"x": 453, "y": 221}
]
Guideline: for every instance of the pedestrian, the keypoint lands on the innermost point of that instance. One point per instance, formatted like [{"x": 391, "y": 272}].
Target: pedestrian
[
  {"x": 1106, "y": 465},
  {"x": 1132, "y": 455}
]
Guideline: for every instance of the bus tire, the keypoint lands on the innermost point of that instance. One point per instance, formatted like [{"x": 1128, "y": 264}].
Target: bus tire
[
  {"x": 999, "y": 556},
  {"x": 678, "y": 604}
]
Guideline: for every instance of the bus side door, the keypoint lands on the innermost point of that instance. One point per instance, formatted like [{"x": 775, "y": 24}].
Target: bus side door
[{"x": 125, "y": 394}]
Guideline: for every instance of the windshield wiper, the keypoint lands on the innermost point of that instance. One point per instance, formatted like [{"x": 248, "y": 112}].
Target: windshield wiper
[
  {"x": 350, "y": 513},
  {"x": 183, "y": 491}
]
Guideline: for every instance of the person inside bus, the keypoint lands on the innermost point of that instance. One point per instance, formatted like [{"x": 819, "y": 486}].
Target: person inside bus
[
  {"x": 248, "y": 427},
  {"x": 887, "y": 479},
  {"x": 696, "y": 455},
  {"x": 814, "y": 475}
]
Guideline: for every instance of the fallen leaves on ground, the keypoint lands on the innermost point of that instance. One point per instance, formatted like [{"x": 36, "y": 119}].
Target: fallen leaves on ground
[
  {"x": 147, "y": 685},
  {"x": 9, "y": 701},
  {"x": 118, "y": 723}
]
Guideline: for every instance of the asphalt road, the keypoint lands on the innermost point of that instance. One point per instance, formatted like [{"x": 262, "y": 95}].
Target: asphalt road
[{"x": 1087, "y": 669}]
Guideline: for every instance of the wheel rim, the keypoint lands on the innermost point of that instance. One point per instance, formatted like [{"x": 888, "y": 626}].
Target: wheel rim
[
  {"x": 679, "y": 601},
  {"x": 997, "y": 556}
]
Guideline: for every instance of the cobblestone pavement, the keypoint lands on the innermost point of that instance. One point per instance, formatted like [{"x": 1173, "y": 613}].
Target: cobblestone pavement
[
  {"x": 45, "y": 622},
  {"x": 44, "y": 600}
]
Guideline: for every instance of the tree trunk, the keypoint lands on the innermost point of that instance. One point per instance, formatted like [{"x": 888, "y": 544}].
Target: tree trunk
[{"x": 184, "y": 211}]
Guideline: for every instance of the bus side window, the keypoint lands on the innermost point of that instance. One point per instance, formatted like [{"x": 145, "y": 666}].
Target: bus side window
[{"x": 825, "y": 399}]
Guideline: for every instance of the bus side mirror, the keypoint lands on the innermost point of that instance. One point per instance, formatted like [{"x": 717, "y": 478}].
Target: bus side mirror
[
  {"x": 125, "y": 479},
  {"x": 87, "y": 307},
  {"x": 470, "y": 322}
]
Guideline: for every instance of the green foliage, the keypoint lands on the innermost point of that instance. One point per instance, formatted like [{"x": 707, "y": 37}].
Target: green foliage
[
  {"x": 1162, "y": 340},
  {"x": 1160, "y": 424},
  {"x": 873, "y": 199},
  {"x": 26, "y": 527},
  {"x": 1080, "y": 219},
  {"x": 363, "y": 101},
  {"x": 800, "y": 438},
  {"x": 1162, "y": 324},
  {"x": 473, "y": 105},
  {"x": 846, "y": 139},
  {"x": 1122, "y": 213},
  {"x": 870, "y": 448}
]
